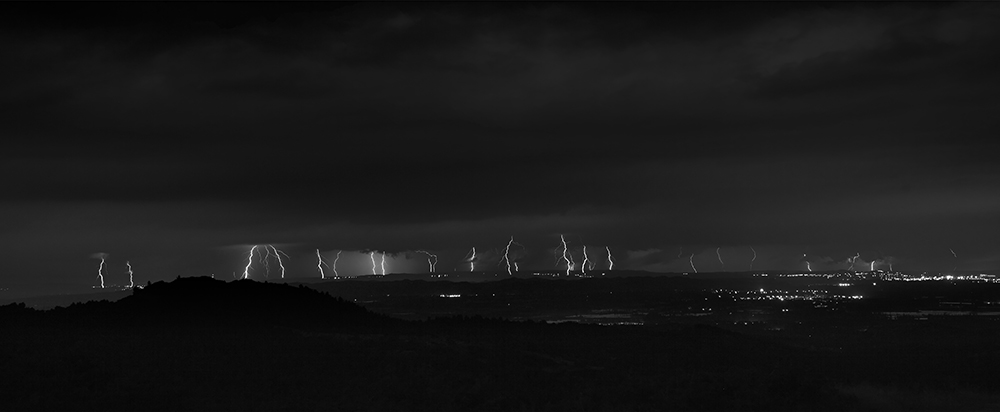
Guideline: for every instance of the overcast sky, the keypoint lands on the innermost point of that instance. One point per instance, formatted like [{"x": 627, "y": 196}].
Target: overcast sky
[{"x": 175, "y": 136}]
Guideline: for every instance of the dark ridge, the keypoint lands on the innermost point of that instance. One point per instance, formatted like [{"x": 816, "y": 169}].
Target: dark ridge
[{"x": 202, "y": 301}]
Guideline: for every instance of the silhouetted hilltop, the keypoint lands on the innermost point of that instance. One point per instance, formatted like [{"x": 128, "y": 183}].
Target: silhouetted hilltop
[
  {"x": 198, "y": 301},
  {"x": 244, "y": 297}
]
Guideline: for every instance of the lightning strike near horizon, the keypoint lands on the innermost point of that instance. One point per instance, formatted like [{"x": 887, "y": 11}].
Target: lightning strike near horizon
[
  {"x": 335, "y": 274},
  {"x": 583, "y": 265},
  {"x": 956, "y": 259},
  {"x": 277, "y": 254},
  {"x": 754, "y": 257},
  {"x": 872, "y": 269},
  {"x": 430, "y": 256},
  {"x": 853, "y": 259},
  {"x": 319, "y": 264},
  {"x": 131, "y": 282},
  {"x": 808, "y": 265},
  {"x": 372, "y": 256},
  {"x": 383, "y": 263},
  {"x": 506, "y": 255},
  {"x": 100, "y": 269},
  {"x": 265, "y": 262},
  {"x": 611, "y": 260},
  {"x": 471, "y": 258},
  {"x": 246, "y": 270},
  {"x": 566, "y": 257},
  {"x": 719, "y": 254},
  {"x": 691, "y": 260}
]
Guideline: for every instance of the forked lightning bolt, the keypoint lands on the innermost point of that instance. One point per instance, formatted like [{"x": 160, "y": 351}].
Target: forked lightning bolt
[
  {"x": 277, "y": 254},
  {"x": 265, "y": 262},
  {"x": 583, "y": 266},
  {"x": 431, "y": 263},
  {"x": 568, "y": 258},
  {"x": 506, "y": 256},
  {"x": 319, "y": 264}
]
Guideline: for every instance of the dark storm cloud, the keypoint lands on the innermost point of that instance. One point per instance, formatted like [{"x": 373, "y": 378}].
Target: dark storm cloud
[{"x": 399, "y": 126}]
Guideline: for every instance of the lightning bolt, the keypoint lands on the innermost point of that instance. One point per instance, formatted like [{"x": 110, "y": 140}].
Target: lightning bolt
[
  {"x": 319, "y": 264},
  {"x": 691, "y": 259},
  {"x": 372, "y": 256},
  {"x": 335, "y": 274},
  {"x": 872, "y": 269},
  {"x": 100, "y": 271},
  {"x": 429, "y": 257},
  {"x": 854, "y": 259},
  {"x": 583, "y": 266},
  {"x": 131, "y": 283},
  {"x": 680, "y": 252},
  {"x": 808, "y": 265},
  {"x": 277, "y": 254},
  {"x": 506, "y": 255},
  {"x": 264, "y": 261},
  {"x": 566, "y": 257},
  {"x": 956, "y": 259},
  {"x": 383, "y": 263},
  {"x": 472, "y": 259},
  {"x": 611, "y": 260},
  {"x": 719, "y": 254},
  {"x": 754, "y": 257},
  {"x": 246, "y": 270}
]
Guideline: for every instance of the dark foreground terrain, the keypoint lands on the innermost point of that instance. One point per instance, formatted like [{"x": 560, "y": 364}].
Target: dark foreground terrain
[{"x": 201, "y": 344}]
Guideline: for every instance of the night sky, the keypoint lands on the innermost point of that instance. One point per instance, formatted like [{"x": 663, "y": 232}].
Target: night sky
[{"x": 174, "y": 136}]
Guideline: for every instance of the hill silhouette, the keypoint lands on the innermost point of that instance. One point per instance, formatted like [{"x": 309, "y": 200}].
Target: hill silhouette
[
  {"x": 192, "y": 299},
  {"x": 201, "y": 301}
]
